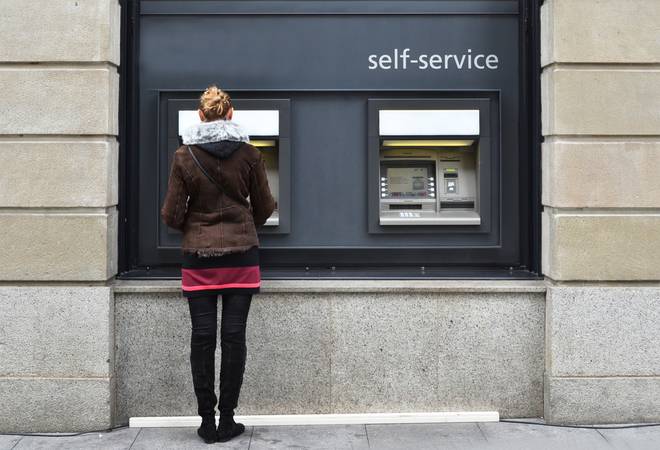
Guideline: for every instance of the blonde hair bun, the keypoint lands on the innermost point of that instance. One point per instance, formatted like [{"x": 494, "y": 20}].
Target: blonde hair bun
[{"x": 215, "y": 103}]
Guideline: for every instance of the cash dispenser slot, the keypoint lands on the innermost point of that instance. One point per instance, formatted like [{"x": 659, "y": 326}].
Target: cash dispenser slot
[
  {"x": 428, "y": 175},
  {"x": 263, "y": 128}
]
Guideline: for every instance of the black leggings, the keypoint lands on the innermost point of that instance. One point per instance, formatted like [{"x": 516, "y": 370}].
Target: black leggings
[
  {"x": 235, "y": 309},
  {"x": 204, "y": 318}
]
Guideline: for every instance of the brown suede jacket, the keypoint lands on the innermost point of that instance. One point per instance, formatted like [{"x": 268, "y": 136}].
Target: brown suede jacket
[{"x": 217, "y": 222}]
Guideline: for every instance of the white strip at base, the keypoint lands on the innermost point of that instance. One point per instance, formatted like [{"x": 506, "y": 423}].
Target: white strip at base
[{"x": 324, "y": 419}]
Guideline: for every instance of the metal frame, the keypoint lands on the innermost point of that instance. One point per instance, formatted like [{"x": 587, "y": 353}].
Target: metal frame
[{"x": 489, "y": 156}]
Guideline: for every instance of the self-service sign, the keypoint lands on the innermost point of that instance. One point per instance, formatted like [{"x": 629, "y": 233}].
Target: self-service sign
[{"x": 243, "y": 48}]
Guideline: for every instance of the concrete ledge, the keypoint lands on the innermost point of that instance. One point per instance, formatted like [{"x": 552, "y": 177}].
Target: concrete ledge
[
  {"x": 358, "y": 286},
  {"x": 602, "y": 400},
  {"x": 58, "y": 245},
  {"x": 609, "y": 31},
  {"x": 60, "y": 30},
  {"x": 58, "y": 172},
  {"x": 58, "y": 100},
  {"x": 55, "y": 404},
  {"x": 602, "y": 331},
  {"x": 601, "y": 174},
  {"x": 600, "y": 101}
]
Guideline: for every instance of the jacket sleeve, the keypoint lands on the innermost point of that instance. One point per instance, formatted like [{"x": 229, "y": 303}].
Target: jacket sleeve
[
  {"x": 263, "y": 203},
  {"x": 173, "y": 211}
]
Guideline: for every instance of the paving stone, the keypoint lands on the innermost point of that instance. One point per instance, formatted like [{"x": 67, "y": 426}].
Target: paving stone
[
  {"x": 511, "y": 436},
  {"x": 644, "y": 438},
  {"x": 114, "y": 440},
  {"x": 426, "y": 436},
  {"x": 184, "y": 438},
  {"x": 310, "y": 437},
  {"x": 8, "y": 442}
]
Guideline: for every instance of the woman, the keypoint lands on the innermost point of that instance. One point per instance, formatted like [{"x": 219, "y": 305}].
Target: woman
[{"x": 211, "y": 178}]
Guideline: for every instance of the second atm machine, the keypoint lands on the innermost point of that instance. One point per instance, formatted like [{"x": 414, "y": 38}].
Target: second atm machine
[{"x": 429, "y": 167}]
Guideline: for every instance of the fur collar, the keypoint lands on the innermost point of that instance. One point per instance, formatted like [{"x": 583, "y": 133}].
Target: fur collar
[{"x": 215, "y": 131}]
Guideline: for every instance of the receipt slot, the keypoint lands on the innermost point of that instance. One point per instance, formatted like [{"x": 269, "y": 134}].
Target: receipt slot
[
  {"x": 268, "y": 131},
  {"x": 429, "y": 164}
]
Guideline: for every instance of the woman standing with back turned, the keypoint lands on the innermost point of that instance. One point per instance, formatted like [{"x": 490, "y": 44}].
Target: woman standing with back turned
[{"x": 211, "y": 178}]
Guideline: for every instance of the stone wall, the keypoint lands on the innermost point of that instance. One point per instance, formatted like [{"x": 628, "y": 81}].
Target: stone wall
[
  {"x": 601, "y": 220},
  {"x": 346, "y": 347},
  {"x": 59, "y": 105}
]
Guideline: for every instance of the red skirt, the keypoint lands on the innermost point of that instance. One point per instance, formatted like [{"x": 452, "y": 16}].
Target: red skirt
[{"x": 217, "y": 275}]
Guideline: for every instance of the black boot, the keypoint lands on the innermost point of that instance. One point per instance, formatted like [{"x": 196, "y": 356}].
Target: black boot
[
  {"x": 228, "y": 429},
  {"x": 207, "y": 430},
  {"x": 232, "y": 367},
  {"x": 202, "y": 364}
]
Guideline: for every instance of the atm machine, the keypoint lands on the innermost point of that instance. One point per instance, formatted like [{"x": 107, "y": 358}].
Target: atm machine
[
  {"x": 429, "y": 167},
  {"x": 264, "y": 130}
]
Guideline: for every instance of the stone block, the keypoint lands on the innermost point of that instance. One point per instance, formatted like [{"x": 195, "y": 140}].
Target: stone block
[
  {"x": 52, "y": 331},
  {"x": 601, "y": 174},
  {"x": 384, "y": 353},
  {"x": 587, "y": 101},
  {"x": 58, "y": 173},
  {"x": 602, "y": 400},
  {"x": 58, "y": 245},
  {"x": 60, "y": 31},
  {"x": 601, "y": 246},
  {"x": 152, "y": 355},
  {"x": 290, "y": 344},
  {"x": 287, "y": 371},
  {"x": 59, "y": 100},
  {"x": 55, "y": 404},
  {"x": 490, "y": 354},
  {"x": 600, "y": 31},
  {"x": 602, "y": 331}
]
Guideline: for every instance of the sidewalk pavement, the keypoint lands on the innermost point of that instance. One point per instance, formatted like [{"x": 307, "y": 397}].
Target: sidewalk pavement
[{"x": 487, "y": 436}]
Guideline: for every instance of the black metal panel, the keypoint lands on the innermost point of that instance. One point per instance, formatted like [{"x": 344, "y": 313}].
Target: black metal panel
[{"x": 316, "y": 54}]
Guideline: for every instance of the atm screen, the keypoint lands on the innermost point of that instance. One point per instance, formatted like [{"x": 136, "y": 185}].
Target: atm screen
[{"x": 408, "y": 182}]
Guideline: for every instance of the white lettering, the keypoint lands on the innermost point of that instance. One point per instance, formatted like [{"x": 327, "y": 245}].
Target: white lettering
[
  {"x": 436, "y": 62},
  {"x": 492, "y": 62},
  {"x": 406, "y": 59},
  {"x": 423, "y": 63},
  {"x": 385, "y": 62},
  {"x": 373, "y": 64},
  {"x": 405, "y": 56},
  {"x": 476, "y": 62}
]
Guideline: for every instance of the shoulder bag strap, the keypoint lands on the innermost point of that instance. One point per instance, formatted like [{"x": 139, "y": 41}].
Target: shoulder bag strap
[{"x": 213, "y": 180}]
